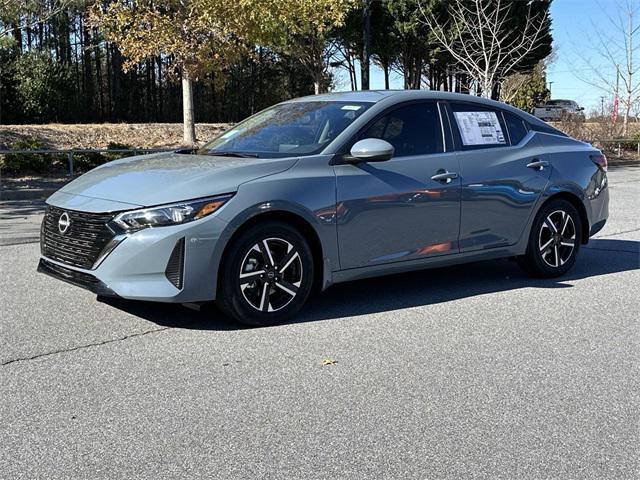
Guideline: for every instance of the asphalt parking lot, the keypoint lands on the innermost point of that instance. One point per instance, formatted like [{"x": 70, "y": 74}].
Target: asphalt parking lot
[{"x": 474, "y": 371}]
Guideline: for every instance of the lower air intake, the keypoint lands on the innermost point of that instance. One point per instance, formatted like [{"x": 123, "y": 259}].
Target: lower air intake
[{"x": 175, "y": 267}]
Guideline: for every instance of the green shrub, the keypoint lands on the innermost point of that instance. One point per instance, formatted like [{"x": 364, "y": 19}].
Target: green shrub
[
  {"x": 625, "y": 143},
  {"x": 30, "y": 163},
  {"x": 34, "y": 163},
  {"x": 117, "y": 155},
  {"x": 85, "y": 161}
]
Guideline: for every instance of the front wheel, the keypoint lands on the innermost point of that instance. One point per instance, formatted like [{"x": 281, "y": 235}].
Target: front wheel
[
  {"x": 267, "y": 275},
  {"x": 554, "y": 240}
]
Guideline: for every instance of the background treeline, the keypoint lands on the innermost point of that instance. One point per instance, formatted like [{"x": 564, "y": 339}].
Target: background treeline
[
  {"x": 56, "y": 66},
  {"x": 62, "y": 70}
]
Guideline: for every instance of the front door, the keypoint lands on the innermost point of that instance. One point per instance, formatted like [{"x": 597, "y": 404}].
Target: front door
[{"x": 394, "y": 211}]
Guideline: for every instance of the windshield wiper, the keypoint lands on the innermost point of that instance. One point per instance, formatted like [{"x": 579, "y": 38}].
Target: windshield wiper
[{"x": 232, "y": 154}]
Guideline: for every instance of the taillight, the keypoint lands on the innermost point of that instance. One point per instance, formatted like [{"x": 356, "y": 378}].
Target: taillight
[{"x": 601, "y": 161}]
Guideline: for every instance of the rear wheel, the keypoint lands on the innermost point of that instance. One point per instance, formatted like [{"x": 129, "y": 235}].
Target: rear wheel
[
  {"x": 554, "y": 240},
  {"x": 267, "y": 275}
]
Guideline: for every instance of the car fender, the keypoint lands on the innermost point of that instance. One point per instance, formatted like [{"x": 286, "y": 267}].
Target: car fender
[
  {"x": 273, "y": 207},
  {"x": 554, "y": 187}
]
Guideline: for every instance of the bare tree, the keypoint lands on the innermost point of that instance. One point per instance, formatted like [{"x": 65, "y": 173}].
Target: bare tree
[
  {"x": 611, "y": 66},
  {"x": 478, "y": 35},
  {"x": 344, "y": 57}
]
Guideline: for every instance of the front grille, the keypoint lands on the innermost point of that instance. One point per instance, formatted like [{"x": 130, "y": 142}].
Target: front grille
[{"x": 81, "y": 244}]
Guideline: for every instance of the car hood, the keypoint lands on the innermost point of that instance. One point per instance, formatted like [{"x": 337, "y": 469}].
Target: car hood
[{"x": 169, "y": 177}]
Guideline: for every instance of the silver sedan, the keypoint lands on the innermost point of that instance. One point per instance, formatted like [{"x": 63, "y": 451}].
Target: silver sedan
[{"x": 327, "y": 189}]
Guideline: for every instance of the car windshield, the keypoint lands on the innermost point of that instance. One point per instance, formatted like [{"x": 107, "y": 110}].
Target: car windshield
[
  {"x": 288, "y": 129},
  {"x": 562, "y": 103}
]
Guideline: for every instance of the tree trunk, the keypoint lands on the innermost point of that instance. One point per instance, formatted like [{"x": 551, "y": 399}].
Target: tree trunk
[
  {"x": 101, "y": 108},
  {"x": 0, "y": 94},
  {"x": 87, "y": 64},
  {"x": 417, "y": 74},
  {"x": 386, "y": 76},
  {"x": 495, "y": 92},
  {"x": 352, "y": 71},
  {"x": 486, "y": 87},
  {"x": 17, "y": 37},
  {"x": 189, "y": 126},
  {"x": 625, "y": 119},
  {"x": 160, "y": 90},
  {"x": 366, "y": 38},
  {"x": 317, "y": 80}
]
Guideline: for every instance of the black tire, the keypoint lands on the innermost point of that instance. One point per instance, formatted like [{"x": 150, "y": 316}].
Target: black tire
[
  {"x": 261, "y": 299},
  {"x": 548, "y": 252}
]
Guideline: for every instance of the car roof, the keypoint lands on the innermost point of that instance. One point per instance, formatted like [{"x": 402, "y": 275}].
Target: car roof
[{"x": 375, "y": 96}]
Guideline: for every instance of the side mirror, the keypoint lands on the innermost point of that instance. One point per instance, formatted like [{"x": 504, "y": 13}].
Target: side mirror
[{"x": 371, "y": 150}]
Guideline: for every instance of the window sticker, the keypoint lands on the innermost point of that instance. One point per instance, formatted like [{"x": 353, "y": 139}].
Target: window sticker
[
  {"x": 351, "y": 107},
  {"x": 479, "y": 128}
]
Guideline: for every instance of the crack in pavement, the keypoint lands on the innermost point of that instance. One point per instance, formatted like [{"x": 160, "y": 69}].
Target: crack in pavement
[{"x": 82, "y": 347}]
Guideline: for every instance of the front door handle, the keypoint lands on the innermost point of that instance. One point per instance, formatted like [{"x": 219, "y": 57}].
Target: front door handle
[
  {"x": 538, "y": 164},
  {"x": 444, "y": 176}
]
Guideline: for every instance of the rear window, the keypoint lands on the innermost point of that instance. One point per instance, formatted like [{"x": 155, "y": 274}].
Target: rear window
[
  {"x": 516, "y": 127},
  {"x": 561, "y": 103},
  {"x": 478, "y": 126}
]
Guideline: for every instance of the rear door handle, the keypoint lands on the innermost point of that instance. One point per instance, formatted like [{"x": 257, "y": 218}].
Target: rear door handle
[
  {"x": 538, "y": 164},
  {"x": 444, "y": 176}
]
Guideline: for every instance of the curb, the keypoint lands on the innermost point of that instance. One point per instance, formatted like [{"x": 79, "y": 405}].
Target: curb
[{"x": 30, "y": 194}]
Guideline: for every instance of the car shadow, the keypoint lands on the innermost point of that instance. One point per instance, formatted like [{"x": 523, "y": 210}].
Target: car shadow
[{"x": 395, "y": 292}]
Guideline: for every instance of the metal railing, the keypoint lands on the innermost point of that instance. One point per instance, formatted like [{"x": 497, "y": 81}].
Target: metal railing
[
  {"x": 71, "y": 152},
  {"x": 618, "y": 145}
]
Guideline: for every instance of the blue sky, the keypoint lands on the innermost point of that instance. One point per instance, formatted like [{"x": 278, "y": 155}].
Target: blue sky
[{"x": 570, "y": 20}]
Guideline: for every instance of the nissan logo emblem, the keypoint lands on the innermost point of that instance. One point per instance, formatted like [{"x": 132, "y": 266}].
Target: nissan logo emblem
[{"x": 64, "y": 222}]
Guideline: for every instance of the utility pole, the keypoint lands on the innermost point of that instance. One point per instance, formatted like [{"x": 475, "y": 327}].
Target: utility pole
[
  {"x": 616, "y": 98},
  {"x": 366, "y": 50},
  {"x": 550, "y": 83},
  {"x": 602, "y": 107}
]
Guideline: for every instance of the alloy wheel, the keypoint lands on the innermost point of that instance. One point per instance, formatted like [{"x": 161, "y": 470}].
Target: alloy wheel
[
  {"x": 557, "y": 238},
  {"x": 271, "y": 274}
]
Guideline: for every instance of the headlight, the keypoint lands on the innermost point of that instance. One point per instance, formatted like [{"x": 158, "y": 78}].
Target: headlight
[{"x": 165, "y": 215}]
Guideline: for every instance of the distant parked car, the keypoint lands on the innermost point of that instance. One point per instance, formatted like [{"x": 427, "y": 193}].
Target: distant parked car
[
  {"x": 327, "y": 189},
  {"x": 555, "y": 110}
]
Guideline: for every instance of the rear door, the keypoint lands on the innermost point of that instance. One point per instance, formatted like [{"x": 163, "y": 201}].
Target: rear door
[{"x": 503, "y": 174}]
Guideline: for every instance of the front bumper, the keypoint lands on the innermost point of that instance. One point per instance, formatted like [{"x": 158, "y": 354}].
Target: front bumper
[
  {"x": 75, "y": 277},
  {"x": 137, "y": 267}
]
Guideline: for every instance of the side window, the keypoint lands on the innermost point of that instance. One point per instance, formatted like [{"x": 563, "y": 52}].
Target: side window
[
  {"x": 412, "y": 130},
  {"x": 478, "y": 126},
  {"x": 516, "y": 127},
  {"x": 547, "y": 129}
]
